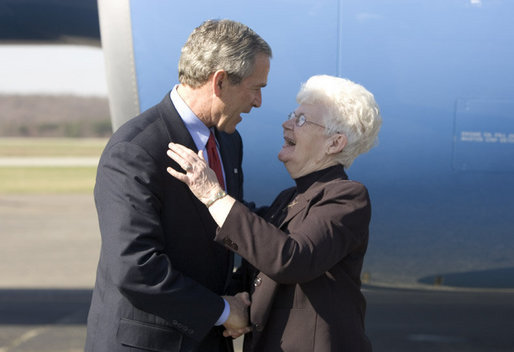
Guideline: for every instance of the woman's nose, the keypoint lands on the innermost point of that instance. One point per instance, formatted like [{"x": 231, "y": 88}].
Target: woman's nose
[{"x": 288, "y": 124}]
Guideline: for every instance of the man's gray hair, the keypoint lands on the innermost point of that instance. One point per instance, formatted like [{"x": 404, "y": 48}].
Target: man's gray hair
[
  {"x": 349, "y": 109},
  {"x": 220, "y": 45}
]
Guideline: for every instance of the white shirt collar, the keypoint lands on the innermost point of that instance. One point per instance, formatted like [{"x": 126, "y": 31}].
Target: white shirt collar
[{"x": 194, "y": 125}]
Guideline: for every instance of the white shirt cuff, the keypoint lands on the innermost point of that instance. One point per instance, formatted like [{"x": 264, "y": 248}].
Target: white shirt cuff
[{"x": 224, "y": 316}]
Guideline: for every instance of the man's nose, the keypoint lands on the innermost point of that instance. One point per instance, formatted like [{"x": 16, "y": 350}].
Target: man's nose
[{"x": 257, "y": 101}]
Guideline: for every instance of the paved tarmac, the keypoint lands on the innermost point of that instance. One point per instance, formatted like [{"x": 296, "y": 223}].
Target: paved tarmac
[{"x": 48, "y": 260}]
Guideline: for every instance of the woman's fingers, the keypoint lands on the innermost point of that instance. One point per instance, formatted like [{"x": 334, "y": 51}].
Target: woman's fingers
[
  {"x": 178, "y": 175},
  {"x": 185, "y": 157},
  {"x": 184, "y": 164},
  {"x": 200, "y": 179},
  {"x": 177, "y": 155},
  {"x": 200, "y": 154},
  {"x": 184, "y": 152}
]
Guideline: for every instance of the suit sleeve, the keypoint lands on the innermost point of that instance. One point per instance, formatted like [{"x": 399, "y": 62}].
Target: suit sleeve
[
  {"x": 331, "y": 228},
  {"x": 128, "y": 205}
]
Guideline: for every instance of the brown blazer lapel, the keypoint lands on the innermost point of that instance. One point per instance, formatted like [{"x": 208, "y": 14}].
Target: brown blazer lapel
[
  {"x": 300, "y": 202},
  {"x": 294, "y": 207}
]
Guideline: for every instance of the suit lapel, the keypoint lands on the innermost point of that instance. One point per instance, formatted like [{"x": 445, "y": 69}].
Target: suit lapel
[
  {"x": 230, "y": 166},
  {"x": 175, "y": 127},
  {"x": 178, "y": 133}
]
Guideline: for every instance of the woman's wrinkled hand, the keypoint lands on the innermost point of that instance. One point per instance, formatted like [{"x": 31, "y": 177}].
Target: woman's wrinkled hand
[{"x": 199, "y": 177}]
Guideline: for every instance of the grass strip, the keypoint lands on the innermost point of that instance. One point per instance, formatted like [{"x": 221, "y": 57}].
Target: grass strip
[
  {"x": 55, "y": 147},
  {"x": 47, "y": 180}
]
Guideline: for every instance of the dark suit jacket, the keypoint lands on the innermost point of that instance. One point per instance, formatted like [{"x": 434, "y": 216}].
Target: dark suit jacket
[
  {"x": 307, "y": 294},
  {"x": 160, "y": 274}
]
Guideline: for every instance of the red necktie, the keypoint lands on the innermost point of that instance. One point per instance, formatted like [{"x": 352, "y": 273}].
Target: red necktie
[{"x": 214, "y": 159}]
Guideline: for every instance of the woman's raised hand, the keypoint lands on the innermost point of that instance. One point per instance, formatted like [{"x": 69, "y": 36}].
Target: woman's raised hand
[{"x": 199, "y": 177}]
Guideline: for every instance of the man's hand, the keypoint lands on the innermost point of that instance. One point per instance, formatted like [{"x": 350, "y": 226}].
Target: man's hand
[{"x": 237, "y": 323}]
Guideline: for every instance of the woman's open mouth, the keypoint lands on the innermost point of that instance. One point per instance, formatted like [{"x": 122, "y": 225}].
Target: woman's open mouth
[{"x": 289, "y": 141}]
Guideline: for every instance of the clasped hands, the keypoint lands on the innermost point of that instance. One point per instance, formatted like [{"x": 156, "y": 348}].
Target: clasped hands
[{"x": 237, "y": 323}]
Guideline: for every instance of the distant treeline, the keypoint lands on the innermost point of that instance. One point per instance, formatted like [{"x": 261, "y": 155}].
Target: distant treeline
[{"x": 54, "y": 116}]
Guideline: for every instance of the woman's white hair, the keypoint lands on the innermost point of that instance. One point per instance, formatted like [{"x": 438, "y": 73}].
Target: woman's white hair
[{"x": 349, "y": 108}]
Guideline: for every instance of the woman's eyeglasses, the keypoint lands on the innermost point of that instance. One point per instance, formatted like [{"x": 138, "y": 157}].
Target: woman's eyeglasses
[{"x": 300, "y": 120}]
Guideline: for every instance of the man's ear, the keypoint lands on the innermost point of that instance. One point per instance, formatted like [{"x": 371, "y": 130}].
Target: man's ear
[
  {"x": 219, "y": 79},
  {"x": 336, "y": 143}
]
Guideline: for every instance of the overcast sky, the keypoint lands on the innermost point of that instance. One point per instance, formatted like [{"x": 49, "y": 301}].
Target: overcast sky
[{"x": 52, "y": 69}]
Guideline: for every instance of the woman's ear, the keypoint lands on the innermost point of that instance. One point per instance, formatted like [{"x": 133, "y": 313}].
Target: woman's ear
[{"x": 336, "y": 143}]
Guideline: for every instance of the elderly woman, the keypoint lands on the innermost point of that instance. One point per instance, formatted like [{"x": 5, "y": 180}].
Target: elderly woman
[{"x": 309, "y": 248}]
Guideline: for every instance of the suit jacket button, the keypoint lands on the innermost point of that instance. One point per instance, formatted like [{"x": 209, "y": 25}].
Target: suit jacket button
[
  {"x": 227, "y": 241},
  {"x": 257, "y": 282},
  {"x": 258, "y": 327},
  {"x": 234, "y": 246}
]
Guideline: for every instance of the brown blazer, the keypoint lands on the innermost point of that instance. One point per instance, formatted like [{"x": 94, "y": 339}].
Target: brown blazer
[{"x": 306, "y": 296}]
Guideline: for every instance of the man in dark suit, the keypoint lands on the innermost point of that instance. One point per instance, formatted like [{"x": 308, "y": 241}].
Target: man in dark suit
[{"x": 161, "y": 277}]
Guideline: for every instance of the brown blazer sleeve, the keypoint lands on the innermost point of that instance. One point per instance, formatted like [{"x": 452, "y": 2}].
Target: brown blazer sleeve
[{"x": 323, "y": 227}]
